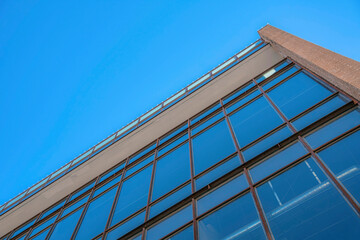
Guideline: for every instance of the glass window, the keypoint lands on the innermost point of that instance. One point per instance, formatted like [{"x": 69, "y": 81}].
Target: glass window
[
  {"x": 65, "y": 228},
  {"x": 173, "y": 133},
  {"x": 249, "y": 124},
  {"x": 236, "y": 220},
  {"x": 112, "y": 172},
  {"x": 173, "y": 144},
  {"x": 277, "y": 161},
  {"x": 239, "y": 92},
  {"x": 334, "y": 129},
  {"x": 27, "y": 225},
  {"x": 207, "y": 123},
  {"x": 187, "y": 233},
  {"x": 343, "y": 158},
  {"x": 81, "y": 191},
  {"x": 266, "y": 143},
  {"x": 222, "y": 193},
  {"x": 126, "y": 227},
  {"x": 42, "y": 235},
  {"x": 43, "y": 225},
  {"x": 320, "y": 112},
  {"x": 107, "y": 186},
  {"x": 272, "y": 71},
  {"x": 171, "y": 170},
  {"x": 139, "y": 165},
  {"x": 170, "y": 224},
  {"x": 298, "y": 94},
  {"x": 142, "y": 153},
  {"x": 133, "y": 195},
  {"x": 52, "y": 209},
  {"x": 217, "y": 172},
  {"x": 75, "y": 205},
  {"x": 279, "y": 78},
  {"x": 170, "y": 200},
  {"x": 212, "y": 146},
  {"x": 206, "y": 113},
  {"x": 243, "y": 100},
  {"x": 96, "y": 216},
  {"x": 304, "y": 203}
]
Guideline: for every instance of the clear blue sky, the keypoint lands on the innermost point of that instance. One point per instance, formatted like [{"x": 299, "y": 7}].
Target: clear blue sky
[{"x": 73, "y": 72}]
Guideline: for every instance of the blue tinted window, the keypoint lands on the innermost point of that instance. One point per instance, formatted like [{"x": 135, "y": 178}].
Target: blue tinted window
[
  {"x": 266, "y": 143},
  {"x": 221, "y": 194},
  {"x": 65, "y": 228},
  {"x": 187, "y": 233},
  {"x": 242, "y": 101},
  {"x": 75, "y": 205},
  {"x": 139, "y": 165},
  {"x": 207, "y": 123},
  {"x": 217, "y": 172},
  {"x": 236, "y": 220},
  {"x": 43, "y": 225},
  {"x": 170, "y": 200},
  {"x": 106, "y": 186},
  {"x": 96, "y": 216},
  {"x": 133, "y": 195},
  {"x": 343, "y": 158},
  {"x": 297, "y": 94},
  {"x": 277, "y": 161},
  {"x": 52, "y": 209},
  {"x": 173, "y": 133},
  {"x": 142, "y": 153},
  {"x": 272, "y": 71},
  {"x": 171, "y": 170},
  {"x": 239, "y": 92},
  {"x": 279, "y": 78},
  {"x": 112, "y": 172},
  {"x": 334, "y": 129},
  {"x": 302, "y": 204},
  {"x": 20, "y": 230},
  {"x": 126, "y": 227},
  {"x": 249, "y": 124},
  {"x": 319, "y": 112},
  {"x": 206, "y": 113},
  {"x": 41, "y": 236},
  {"x": 82, "y": 191},
  {"x": 173, "y": 144},
  {"x": 212, "y": 146},
  {"x": 170, "y": 224}
]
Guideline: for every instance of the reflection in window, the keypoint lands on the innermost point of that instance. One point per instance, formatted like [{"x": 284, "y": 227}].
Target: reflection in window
[
  {"x": 343, "y": 159},
  {"x": 170, "y": 224},
  {"x": 212, "y": 146},
  {"x": 65, "y": 228},
  {"x": 171, "y": 170},
  {"x": 236, "y": 220},
  {"x": 133, "y": 195},
  {"x": 297, "y": 94},
  {"x": 96, "y": 216},
  {"x": 279, "y": 78},
  {"x": 253, "y": 121},
  {"x": 302, "y": 204},
  {"x": 334, "y": 129}
]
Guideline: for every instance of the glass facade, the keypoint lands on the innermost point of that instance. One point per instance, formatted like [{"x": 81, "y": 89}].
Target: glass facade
[{"x": 277, "y": 158}]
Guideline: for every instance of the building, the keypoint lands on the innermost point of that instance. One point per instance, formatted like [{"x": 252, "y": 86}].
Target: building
[{"x": 264, "y": 146}]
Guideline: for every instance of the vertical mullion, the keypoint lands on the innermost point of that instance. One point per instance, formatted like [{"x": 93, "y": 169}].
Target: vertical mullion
[
  {"x": 192, "y": 172},
  {"x": 147, "y": 211},
  {"x": 113, "y": 206},
  {"x": 248, "y": 178},
  {"x": 86, "y": 206},
  {"x": 321, "y": 164}
]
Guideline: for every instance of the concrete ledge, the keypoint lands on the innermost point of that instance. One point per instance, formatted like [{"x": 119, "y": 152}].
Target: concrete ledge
[{"x": 342, "y": 72}]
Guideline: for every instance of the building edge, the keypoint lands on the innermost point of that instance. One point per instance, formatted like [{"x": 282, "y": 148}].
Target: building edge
[{"x": 338, "y": 70}]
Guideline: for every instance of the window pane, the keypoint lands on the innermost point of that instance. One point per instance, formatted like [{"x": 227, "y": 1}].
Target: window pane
[
  {"x": 106, "y": 186},
  {"x": 112, "y": 172},
  {"x": 27, "y": 225},
  {"x": 217, "y": 172},
  {"x": 139, "y": 165},
  {"x": 171, "y": 170},
  {"x": 343, "y": 158},
  {"x": 242, "y": 101},
  {"x": 133, "y": 195},
  {"x": 75, "y": 205},
  {"x": 297, "y": 94},
  {"x": 206, "y": 123},
  {"x": 170, "y": 200},
  {"x": 172, "y": 144},
  {"x": 206, "y": 113},
  {"x": 126, "y": 227},
  {"x": 239, "y": 92},
  {"x": 65, "y": 228},
  {"x": 334, "y": 129},
  {"x": 212, "y": 146},
  {"x": 170, "y": 224},
  {"x": 249, "y": 124},
  {"x": 277, "y": 161},
  {"x": 96, "y": 216},
  {"x": 186, "y": 234},
  {"x": 319, "y": 112},
  {"x": 236, "y": 220},
  {"x": 266, "y": 143},
  {"x": 142, "y": 153},
  {"x": 53, "y": 209},
  {"x": 221, "y": 194},
  {"x": 279, "y": 78},
  {"x": 43, "y": 225},
  {"x": 170, "y": 135},
  {"x": 82, "y": 191},
  {"x": 41, "y": 236},
  {"x": 304, "y": 203}
]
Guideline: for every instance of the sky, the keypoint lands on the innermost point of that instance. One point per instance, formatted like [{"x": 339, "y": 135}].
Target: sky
[{"x": 74, "y": 72}]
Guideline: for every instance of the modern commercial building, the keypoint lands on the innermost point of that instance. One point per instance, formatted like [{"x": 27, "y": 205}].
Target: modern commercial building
[{"x": 264, "y": 146}]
